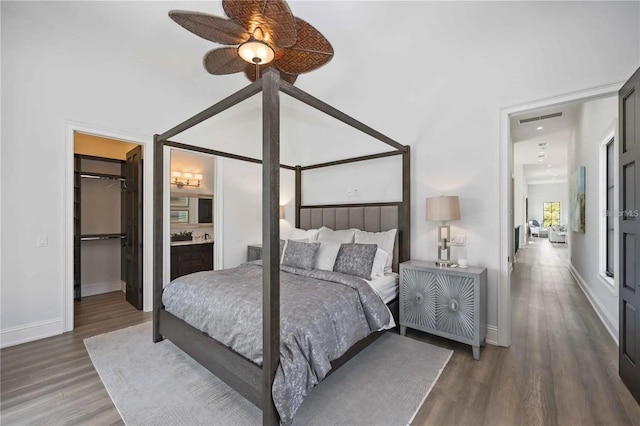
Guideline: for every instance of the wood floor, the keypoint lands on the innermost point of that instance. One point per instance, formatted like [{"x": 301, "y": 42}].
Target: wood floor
[
  {"x": 52, "y": 381},
  {"x": 560, "y": 370}
]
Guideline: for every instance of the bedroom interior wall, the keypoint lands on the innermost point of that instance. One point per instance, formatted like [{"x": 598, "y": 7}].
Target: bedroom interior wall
[
  {"x": 489, "y": 56},
  {"x": 76, "y": 61},
  {"x": 541, "y": 193},
  {"x": 596, "y": 120},
  {"x": 83, "y": 73}
]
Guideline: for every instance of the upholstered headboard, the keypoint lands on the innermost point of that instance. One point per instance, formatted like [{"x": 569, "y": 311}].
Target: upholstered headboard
[{"x": 366, "y": 217}]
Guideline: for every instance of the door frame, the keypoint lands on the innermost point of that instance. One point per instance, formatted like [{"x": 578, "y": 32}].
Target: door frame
[
  {"x": 506, "y": 202},
  {"x": 70, "y": 127}
]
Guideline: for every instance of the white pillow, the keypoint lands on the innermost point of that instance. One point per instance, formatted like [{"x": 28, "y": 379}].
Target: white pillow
[
  {"x": 379, "y": 263},
  {"x": 326, "y": 256},
  {"x": 385, "y": 241},
  {"x": 328, "y": 235},
  {"x": 298, "y": 234}
]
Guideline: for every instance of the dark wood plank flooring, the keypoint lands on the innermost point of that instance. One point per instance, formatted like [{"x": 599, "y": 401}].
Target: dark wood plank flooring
[
  {"x": 52, "y": 381},
  {"x": 560, "y": 370}
]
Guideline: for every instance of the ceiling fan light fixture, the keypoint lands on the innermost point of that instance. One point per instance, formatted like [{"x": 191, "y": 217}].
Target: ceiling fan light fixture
[{"x": 256, "y": 52}]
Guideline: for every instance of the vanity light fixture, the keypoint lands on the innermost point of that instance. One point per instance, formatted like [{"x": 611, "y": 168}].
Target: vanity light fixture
[{"x": 187, "y": 179}]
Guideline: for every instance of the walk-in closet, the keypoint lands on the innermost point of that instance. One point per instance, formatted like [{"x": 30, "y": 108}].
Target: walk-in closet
[{"x": 107, "y": 220}]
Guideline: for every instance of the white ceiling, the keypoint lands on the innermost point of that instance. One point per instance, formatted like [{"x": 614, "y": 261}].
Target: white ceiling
[{"x": 555, "y": 132}]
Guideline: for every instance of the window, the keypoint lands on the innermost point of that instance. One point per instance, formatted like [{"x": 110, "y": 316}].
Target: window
[
  {"x": 608, "y": 217},
  {"x": 551, "y": 214}
]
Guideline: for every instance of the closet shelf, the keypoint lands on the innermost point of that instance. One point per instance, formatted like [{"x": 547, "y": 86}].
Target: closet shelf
[
  {"x": 96, "y": 237},
  {"x": 92, "y": 175}
]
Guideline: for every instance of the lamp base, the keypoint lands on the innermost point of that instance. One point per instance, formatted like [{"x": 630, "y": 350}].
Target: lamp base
[{"x": 443, "y": 262}]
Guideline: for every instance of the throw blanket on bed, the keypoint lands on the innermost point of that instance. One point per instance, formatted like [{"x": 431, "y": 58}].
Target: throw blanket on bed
[{"x": 322, "y": 314}]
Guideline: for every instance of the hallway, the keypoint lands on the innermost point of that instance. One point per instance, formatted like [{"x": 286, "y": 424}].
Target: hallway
[{"x": 561, "y": 368}]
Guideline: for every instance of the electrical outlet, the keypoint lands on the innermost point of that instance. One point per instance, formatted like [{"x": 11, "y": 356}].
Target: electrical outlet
[{"x": 458, "y": 240}]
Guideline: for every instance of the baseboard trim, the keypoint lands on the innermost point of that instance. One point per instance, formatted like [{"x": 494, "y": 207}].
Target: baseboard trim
[
  {"x": 30, "y": 332},
  {"x": 102, "y": 287},
  {"x": 609, "y": 323},
  {"x": 492, "y": 335}
]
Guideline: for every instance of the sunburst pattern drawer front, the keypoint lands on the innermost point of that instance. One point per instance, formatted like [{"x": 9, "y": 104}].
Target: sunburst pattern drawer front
[
  {"x": 448, "y": 302},
  {"x": 437, "y": 301},
  {"x": 418, "y": 301},
  {"x": 455, "y": 310}
]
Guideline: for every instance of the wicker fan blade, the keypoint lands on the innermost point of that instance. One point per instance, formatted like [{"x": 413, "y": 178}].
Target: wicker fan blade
[
  {"x": 210, "y": 27},
  {"x": 223, "y": 61},
  {"x": 250, "y": 72},
  {"x": 272, "y": 16},
  {"x": 311, "y": 51}
]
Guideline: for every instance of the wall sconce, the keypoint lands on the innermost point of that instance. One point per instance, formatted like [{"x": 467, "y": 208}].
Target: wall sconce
[
  {"x": 187, "y": 179},
  {"x": 281, "y": 212},
  {"x": 442, "y": 209}
]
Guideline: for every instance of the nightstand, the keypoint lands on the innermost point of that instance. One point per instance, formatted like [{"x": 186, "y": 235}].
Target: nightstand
[
  {"x": 254, "y": 252},
  {"x": 447, "y": 302}
]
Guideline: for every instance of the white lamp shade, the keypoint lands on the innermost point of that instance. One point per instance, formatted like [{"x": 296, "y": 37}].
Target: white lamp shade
[
  {"x": 443, "y": 208},
  {"x": 187, "y": 175},
  {"x": 198, "y": 176},
  {"x": 176, "y": 174},
  {"x": 256, "y": 52}
]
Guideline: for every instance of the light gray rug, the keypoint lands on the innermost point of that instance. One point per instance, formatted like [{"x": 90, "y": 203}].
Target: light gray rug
[{"x": 158, "y": 384}]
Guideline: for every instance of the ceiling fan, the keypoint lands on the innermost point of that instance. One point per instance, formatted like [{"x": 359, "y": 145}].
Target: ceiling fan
[{"x": 267, "y": 35}]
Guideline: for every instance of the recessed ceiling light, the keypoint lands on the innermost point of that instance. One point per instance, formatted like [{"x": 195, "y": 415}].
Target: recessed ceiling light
[
  {"x": 548, "y": 165},
  {"x": 539, "y": 159},
  {"x": 540, "y": 128}
]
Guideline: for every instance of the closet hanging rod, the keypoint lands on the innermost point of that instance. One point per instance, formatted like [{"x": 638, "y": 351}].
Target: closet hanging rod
[
  {"x": 95, "y": 237},
  {"x": 92, "y": 175}
]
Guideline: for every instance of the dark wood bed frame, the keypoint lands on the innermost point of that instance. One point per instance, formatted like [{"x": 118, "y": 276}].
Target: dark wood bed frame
[{"x": 248, "y": 379}]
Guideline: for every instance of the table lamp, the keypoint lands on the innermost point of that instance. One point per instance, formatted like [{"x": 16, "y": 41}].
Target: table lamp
[{"x": 442, "y": 209}]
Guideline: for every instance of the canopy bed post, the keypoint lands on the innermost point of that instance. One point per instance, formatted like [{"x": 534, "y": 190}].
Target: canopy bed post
[
  {"x": 298, "y": 194},
  {"x": 406, "y": 202},
  {"x": 270, "y": 241},
  {"x": 158, "y": 160}
]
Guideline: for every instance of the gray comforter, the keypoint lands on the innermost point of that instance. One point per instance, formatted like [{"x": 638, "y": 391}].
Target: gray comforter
[{"x": 322, "y": 315}]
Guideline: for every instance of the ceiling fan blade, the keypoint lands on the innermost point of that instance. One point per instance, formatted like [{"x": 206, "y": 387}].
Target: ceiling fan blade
[
  {"x": 312, "y": 50},
  {"x": 210, "y": 27},
  {"x": 272, "y": 16},
  {"x": 224, "y": 60},
  {"x": 250, "y": 72}
]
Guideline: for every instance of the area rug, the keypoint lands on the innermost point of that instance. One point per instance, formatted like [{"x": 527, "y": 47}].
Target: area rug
[{"x": 158, "y": 384}]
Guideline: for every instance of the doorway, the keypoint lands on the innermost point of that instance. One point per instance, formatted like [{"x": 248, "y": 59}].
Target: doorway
[
  {"x": 138, "y": 242},
  {"x": 107, "y": 220},
  {"x": 192, "y": 214},
  {"x": 507, "y": 234}
]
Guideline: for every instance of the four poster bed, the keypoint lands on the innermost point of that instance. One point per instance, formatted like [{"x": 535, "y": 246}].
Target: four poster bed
[{"x": 235, "y": 357}]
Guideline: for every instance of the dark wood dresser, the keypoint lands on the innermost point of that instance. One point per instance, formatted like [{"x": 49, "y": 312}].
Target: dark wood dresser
[{"x": 190, "y": 258}]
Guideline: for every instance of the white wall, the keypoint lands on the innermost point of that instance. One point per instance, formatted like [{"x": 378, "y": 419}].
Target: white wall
[
  {"x": 597, "y": 119},
  {"x": 78, "y": 61},
  {"x": 541, "y": 193},
  {"x": 83, "y": 66},
  {"x": 481, "y": 57}
]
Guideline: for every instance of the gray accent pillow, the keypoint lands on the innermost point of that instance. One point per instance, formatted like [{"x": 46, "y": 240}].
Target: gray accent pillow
[
  {"x": 300, "y": 255},
  {"x": 356, "y": 259}
]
